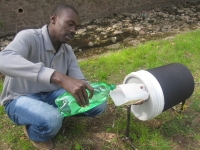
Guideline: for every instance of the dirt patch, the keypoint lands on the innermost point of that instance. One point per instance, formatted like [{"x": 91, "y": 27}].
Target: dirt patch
[
  {"x": 185, "y": 142},
  {"x": 94, "y": 134},
  {"x": 196, "y": 120}
]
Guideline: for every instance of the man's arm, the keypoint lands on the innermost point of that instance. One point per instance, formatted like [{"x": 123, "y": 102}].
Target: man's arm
[{"x": 14, "y": 63}]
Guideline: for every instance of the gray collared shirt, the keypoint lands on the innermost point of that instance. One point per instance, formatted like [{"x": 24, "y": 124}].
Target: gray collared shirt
[{"x": 29, "y": 61}]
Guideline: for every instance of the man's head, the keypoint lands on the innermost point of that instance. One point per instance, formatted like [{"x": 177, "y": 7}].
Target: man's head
[
  {"x": 60, "y": 7},
  {"x": 64, "y": 20}
]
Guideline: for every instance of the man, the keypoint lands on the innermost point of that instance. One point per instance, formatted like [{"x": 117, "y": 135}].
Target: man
[{"x": 39, "y": 66}]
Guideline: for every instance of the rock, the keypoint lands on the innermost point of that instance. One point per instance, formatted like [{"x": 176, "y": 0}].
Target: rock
[
  {"x": 180, "y": 11},
  {"x": 85, "y": 22},
  {"x": 117, "y": 25},
  {"x": 81, "y": 31},
  {"x": 91, "y": 44},
  {"x": 2, "y": 48},
  {"x": 114, "y": 26},
  {"x": 128, "y": 39},
  {"x": 104, "y": 33},
  {"x": 108, "y": 29},
  {"x": 134, "y": 42},
  {"x": 75, "y": 49},
  {"x": 157, "y": 28},
  {"x": 142, "y": 32},
  {"x": 117, "y": 32},
  {"x": 104, "y": 41},
  {"x": 113, "y": 39},
  {"x": 90, "y": 27},
  {"x": 114, "y": 46},
  {"x": 174, "y": 7},
  {"x": 4, "y": 43},
  {"x": 10, "y": 38},
  {"x": 169, "y": 38},
  {"x": 130, "y": 28},
  {"x": 126, "y": 14},
  {"x": 138, "y": 28},
  {"x": 99, "y": 29},
  {"x": 98, "y": 38},
  {"x": 77, "y": 36},
  {"x": 134, "y": 16},
  {"x": 90, "y": 32}
]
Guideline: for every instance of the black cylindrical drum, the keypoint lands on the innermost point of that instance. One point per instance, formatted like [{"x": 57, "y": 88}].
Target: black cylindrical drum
[{"x": 176, "y": 81}]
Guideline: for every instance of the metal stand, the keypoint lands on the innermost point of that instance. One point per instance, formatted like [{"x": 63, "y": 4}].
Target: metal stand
[{"x": 127, "y": 138}]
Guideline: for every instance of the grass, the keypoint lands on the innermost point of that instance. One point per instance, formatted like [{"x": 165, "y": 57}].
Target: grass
[{"x": 167, "y": 131}]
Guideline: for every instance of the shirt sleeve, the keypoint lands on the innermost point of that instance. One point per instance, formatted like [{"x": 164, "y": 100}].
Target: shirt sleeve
[{"x": 14, "y": 63}]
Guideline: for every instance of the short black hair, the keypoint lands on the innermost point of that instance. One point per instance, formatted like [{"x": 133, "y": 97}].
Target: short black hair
[{"x": 62, "y": 6}]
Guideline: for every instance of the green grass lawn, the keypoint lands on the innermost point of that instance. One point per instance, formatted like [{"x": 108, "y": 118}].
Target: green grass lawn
[{"x": 168, "y": 131}]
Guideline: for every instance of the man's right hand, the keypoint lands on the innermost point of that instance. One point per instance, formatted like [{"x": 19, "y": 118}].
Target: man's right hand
[{"x": 77, "y": 88}]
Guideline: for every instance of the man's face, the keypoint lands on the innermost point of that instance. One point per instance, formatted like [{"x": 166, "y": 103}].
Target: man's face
[{"x": 65, "y": 25}]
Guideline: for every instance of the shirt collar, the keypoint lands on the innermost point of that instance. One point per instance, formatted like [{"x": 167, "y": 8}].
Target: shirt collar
[{"x": 47, "y": 41}]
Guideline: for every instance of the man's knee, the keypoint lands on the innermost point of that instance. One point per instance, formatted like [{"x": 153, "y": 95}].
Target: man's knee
[
  {"x": 53, "y": 122},
  {"x": 45, "y": 128}
]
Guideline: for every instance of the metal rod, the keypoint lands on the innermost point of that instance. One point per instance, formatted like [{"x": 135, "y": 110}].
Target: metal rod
[
  {"x": 128, "y": 116},
  {"x": 127, "y": 138}
]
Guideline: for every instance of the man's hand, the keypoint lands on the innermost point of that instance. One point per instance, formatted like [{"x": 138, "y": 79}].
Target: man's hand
[{"x": 75, "y": 87}]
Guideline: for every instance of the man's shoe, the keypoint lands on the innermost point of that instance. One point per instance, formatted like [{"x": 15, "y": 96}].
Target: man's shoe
[{"x": 47, "y": 145}]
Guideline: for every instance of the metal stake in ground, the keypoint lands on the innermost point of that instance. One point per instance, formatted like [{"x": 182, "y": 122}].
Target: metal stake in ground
[{"x": 127, "y": 138}]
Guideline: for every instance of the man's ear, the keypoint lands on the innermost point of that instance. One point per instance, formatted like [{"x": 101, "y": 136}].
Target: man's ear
[{"x": 53, "y": 18}]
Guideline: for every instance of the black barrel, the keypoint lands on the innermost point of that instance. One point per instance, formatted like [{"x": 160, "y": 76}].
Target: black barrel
[{"x": 176, "y": 81}]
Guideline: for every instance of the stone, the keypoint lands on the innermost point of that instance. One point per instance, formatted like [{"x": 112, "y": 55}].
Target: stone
[
  {"x": 138, "y": 28},
  {"x": 104, "y": 33},
  {"x": 114, "y": 46},
  {"x": 113, "y": 39},
  {"x": 128, "y": 39},
  {"x": 89, "y": 27},
  {"x": 108, "y": 29},
  {"x": 97, "y": 38},
  {"x": 4, "y": 43},
  {"x": 91, "y": 44},
  {"x": 10, "y": 38},
  {"x": 142, "y": 32},
  {"x": 90, "y": 32},
  {"x": 77, "y": 36},
  {"x": 134, "y": 42},
  {"x": 117, "y": 32},
  {"x": 2, "y": 48},
  {"x": 180, "y": 11},
  {"x": 99, "y": 29},
  {"x": 104, "y": 41},
  {"x": 75, "y": 49},
  {"x": 115, "y": 26},
  {"x": 81, "y": 31}
]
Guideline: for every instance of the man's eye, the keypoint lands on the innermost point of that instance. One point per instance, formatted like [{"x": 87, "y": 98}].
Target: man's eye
[{"x": 70, "y": 24}]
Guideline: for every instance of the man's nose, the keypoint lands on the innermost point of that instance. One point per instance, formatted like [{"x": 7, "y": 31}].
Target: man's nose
[{"x": 73, "y": 30}]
